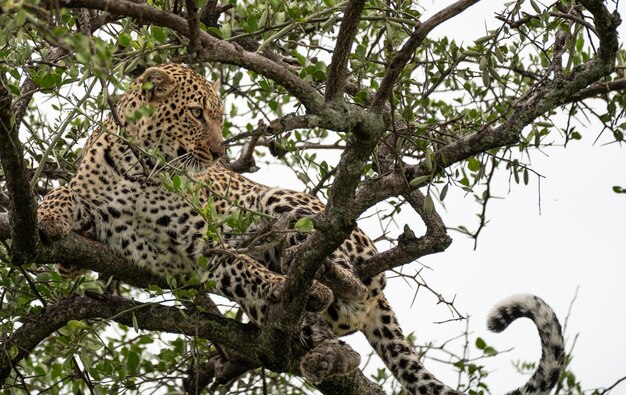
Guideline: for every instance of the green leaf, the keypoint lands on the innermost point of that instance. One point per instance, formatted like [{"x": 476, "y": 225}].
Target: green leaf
[
  {"x": 444, "y": 192},
  {"x": 473, "y": 164},
  {"x": 429, "y": 206},
  {"x": 304, "y": 225},
  {"x": 215, "y": 31},
  {"x": 483, "y": 39},
  {"x": 419, "y": 180},
  {"x": 43, "y": 277},
  {"x": 525, "y": 176},
  {"x": 132, "y": 361},
  {"x": 93, "y": 345},
  {"x": 124, "y": 40},
  {"x": 49, "y": 80},
  {"x": 75, "y": 325},
  {"x": 171, "y": 281},
  {"x": 135, "y": 324},
  {"x": 486, "y": 78},
  {"x": 428, "y": 161},
  {"x": 535, "y": 7},
  {"x": 490, "y": 351},
  {"x": 176, "y": 182},
  {"x": 480, "y": 343},
  {"x": 158, "y": 33},
  {"x": 472, "y": 53},
  {"x": 203, "y": 262}
]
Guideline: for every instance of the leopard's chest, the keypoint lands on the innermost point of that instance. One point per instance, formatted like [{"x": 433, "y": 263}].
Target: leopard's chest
[{"x": 149, "y": 225}]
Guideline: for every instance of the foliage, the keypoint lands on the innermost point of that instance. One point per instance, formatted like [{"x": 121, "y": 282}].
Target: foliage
[{"x": 457, "y": 114}]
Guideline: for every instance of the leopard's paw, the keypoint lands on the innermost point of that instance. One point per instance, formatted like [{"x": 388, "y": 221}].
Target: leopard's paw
[
  {"x": 320, "y": 297},
  {"x": 328, "y": 359},
  {"x": 70, "y": 271},
  {"x": 53, "y": 228},
  {"x": 344, "y": 283}
]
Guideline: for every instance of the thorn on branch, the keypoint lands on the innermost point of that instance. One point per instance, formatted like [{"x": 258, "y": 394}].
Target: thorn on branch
[{"x": 407, "y": 235}]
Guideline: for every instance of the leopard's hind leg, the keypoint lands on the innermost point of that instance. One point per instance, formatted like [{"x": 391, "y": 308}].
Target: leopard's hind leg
[{"x": 384, "y": 334}]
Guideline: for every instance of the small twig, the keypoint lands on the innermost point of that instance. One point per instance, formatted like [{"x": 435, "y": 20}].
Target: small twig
[
  {"x": 322, "y": 181},
  {"x": 83, "y": 375},
  {"x": 32, "y": 286},
  {"x": 569, "y": 309},
  {"x": 486, "y": 197},
  {"x": 619, "y": 381}
]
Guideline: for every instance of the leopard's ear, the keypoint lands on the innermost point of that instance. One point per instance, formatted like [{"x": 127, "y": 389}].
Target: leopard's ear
[
  {"x": 157, "y": 84},
  {"x": 217, "y": 84}
]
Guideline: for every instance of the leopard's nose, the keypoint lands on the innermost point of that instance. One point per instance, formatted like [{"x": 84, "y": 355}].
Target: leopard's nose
[{"x": 218, "y": 150}]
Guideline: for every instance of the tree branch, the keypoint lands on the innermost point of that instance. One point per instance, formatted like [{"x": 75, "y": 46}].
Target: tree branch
[
  {"x": 149, "y": 316},
  {"x": 409, "y": 247},
  {"x": 337, "y": 71},
  {"x": 598, "y": 88},
  {"x": 22, "y": 203}
]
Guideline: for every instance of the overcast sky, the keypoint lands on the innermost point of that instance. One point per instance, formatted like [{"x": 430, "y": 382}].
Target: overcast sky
[{"x": 576, "y": 241}]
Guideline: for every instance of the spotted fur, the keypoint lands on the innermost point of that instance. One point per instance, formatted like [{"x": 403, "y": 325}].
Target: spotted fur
[{"x": 112, "y": 199}]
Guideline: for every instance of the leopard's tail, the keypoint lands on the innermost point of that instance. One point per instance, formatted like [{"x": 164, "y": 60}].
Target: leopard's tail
[
  {"x": 552, "y": 344},
  {"x": 384, "y": 334}
]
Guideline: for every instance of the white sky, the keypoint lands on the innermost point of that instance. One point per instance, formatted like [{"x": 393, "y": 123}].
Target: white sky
[{"x": 576, "y": 241}]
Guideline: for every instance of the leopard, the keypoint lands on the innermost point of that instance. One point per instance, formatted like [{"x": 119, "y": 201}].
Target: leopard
[{"x": 115, "y": 198}]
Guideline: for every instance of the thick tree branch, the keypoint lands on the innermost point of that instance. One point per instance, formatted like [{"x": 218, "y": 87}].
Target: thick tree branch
[
  {"x": 22, "y": 203},
  {"x": 153, "y": 317},
  {"x": 210, "y": 48},
  {"x": 354, "y": 383},
  {"x": 597, "y": 89},
  {"x": 337, "y": 70},
  {"x": 337, "y": 222},
  {"x": 408, "y": 49}
]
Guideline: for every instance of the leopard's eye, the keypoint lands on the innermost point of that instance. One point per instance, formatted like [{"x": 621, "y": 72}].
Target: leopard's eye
[{"x": 197, "y": 112}]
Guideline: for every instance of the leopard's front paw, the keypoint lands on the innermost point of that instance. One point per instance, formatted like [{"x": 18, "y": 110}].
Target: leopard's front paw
[
  {"x": 53, "y": 228},
  {"x": 320, "y": 297},
  {"x": 344, "y": 283},
  {"x": 328, "y": 359}
]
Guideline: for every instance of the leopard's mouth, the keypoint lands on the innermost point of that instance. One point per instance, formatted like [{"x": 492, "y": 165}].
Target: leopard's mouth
[{"x": 190, "y": 162}]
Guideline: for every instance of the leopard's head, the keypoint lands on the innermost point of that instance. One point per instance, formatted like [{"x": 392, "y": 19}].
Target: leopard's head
[{"x": 176, "y": 111}]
